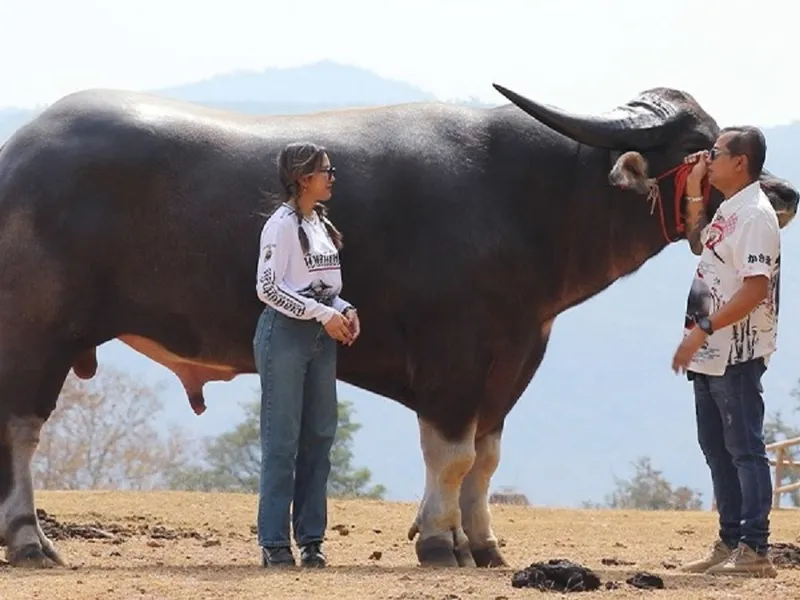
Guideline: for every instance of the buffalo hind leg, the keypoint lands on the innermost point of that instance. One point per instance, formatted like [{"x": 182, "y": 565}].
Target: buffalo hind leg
[
  {"x": 31, "y": 378},
  {"x": 442, "y": 541},
  {"x": 26, "y": 543},
  {"x": 476, "y": 517}
]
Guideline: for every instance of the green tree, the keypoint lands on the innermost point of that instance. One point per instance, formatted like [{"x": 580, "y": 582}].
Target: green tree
[
  {"x": 346, "y": 480},
  {"x": 233, "y": 460},
  {"x": 649, "y": 490}
]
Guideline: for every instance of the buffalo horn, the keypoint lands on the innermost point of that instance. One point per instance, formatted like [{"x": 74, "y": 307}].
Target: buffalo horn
[{"x": 640, "y": 124}]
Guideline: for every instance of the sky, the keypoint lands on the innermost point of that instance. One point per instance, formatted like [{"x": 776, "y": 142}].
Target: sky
[{"x": 583, "y": 55}]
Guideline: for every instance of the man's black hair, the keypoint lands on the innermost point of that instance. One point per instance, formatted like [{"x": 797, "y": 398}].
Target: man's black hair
[{"x": 749, "y": 141}]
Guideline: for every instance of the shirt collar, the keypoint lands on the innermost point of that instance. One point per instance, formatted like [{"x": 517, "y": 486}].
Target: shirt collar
[{"x": 747, "y": 195}]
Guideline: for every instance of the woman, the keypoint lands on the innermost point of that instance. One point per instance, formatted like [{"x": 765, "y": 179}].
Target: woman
[{"x": 299, "y": 280}]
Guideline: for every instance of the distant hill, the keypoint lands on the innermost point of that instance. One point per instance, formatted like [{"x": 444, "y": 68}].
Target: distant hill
[
  {"x": 324, "y": 82},
  {"x": 605, "y": 392},
  {"x": 12, "y": 118},
  {"x": 319, "y": 86}
]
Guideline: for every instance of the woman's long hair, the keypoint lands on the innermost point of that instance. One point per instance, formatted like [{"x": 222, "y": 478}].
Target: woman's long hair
[{"x": 295, "y": 161}]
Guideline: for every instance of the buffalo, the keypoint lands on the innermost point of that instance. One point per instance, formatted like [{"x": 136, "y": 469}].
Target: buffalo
[{"x": 467, "y": 231}]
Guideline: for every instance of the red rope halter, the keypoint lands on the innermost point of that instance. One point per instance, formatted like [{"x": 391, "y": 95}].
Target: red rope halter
[{"x": 681, "y": 175}]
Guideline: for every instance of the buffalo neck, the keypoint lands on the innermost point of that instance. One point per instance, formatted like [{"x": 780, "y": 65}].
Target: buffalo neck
[
  {"x": 581, "y": 233},
  {"x": 608, "y": 233}
]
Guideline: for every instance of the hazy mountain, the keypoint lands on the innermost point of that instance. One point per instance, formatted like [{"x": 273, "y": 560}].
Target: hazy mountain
[
  {"x": 605, "y": 392},
  {"x": 11, "y": 119},
  {"x": 324, "y": 82}
]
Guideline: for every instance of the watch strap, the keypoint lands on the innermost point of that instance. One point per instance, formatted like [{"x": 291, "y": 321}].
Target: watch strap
[{"x": 705, "y": 324}]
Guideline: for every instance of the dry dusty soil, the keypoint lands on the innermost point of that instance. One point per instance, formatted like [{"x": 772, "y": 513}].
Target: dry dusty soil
[{"x": 193, "y": 546}]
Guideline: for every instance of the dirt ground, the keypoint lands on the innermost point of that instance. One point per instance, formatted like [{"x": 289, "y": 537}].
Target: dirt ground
[{"x": 195, "y": 546}]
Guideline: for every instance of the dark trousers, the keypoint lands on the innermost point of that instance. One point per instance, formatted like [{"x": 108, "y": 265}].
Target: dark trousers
[{"x": 730, "y": 429}]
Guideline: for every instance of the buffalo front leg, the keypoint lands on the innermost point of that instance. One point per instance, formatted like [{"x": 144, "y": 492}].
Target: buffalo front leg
[
  {"x": 442, "y": 541},
  {"x": 475, "y": 515},
  {"x": 26, "y": 543}
]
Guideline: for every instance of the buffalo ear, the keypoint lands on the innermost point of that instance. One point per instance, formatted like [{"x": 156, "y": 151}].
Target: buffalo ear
[{"x": 630, "y": 172}]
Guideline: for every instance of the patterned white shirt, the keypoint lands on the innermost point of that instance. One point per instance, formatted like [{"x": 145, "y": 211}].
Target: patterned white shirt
[{"x": 743, "y": 239}]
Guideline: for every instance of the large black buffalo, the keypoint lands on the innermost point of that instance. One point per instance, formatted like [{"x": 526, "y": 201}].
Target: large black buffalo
[{"x": 466, "y": 233}]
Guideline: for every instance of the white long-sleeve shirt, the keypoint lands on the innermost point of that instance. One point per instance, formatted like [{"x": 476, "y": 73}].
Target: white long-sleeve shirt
[{"x": 303, "y": 287}]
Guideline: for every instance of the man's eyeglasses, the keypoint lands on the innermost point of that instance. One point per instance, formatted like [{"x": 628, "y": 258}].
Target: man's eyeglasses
[{"x": 715, "y": 152}]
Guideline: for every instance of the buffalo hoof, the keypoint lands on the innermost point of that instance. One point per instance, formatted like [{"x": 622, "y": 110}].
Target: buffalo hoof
[
  {"x": 489, "y": 556},
  {"x": 438, "y": 552},
  {"x": 50, "y": 552},
  {"x": 33, "y": 556}
]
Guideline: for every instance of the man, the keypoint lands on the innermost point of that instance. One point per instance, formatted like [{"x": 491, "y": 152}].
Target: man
[{"x": 730, "y": 333}]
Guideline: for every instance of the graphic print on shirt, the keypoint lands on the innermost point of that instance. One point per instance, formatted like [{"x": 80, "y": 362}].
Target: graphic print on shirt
[
  {"x": 745, "y": 339},
  {"x": 703, "y": 300},
  {"x": 773, "y": 308},
  {"x": 699, "y": 303},
  {"x": 718, "y": 230},
  {"x": 277, "y": 296},
  {"x": 319, "y": 291},
  {"x": 321, "y": 262},
  {"x": 746, "y": 336}
]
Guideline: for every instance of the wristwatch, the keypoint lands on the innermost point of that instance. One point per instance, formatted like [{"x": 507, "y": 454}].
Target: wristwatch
[{"x": 704, "y": 323}]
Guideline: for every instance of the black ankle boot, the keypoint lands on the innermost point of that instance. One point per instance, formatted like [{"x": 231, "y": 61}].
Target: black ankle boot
[
  {"x": 277, "y": 557},
  {"x": 311, "y": 555}
]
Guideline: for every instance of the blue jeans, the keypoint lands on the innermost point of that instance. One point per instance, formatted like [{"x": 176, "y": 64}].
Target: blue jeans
[
  {"x": 296, "y": 360},
  {"x": 730, "y": 429}
]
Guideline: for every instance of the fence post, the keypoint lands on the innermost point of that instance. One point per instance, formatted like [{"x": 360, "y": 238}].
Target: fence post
[{"x": 776, "y": 494}]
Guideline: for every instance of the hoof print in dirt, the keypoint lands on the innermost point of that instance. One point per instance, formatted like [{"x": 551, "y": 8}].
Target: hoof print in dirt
[
  {"x": 646, "y": 581},
  {"x": 556, "y": 575},
  {"x": 785, "y": 555}
]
